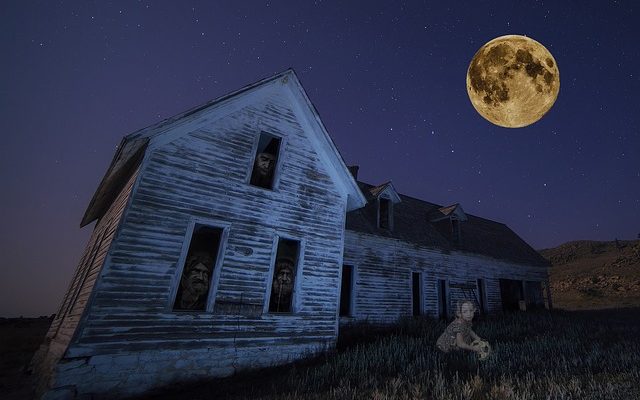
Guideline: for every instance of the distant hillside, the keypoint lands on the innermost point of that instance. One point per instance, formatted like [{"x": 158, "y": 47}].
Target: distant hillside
[{"x": 588, "y": 274}]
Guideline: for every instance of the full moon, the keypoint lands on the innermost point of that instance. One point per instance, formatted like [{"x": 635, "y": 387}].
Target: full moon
[{"x": 513, "y": 81}]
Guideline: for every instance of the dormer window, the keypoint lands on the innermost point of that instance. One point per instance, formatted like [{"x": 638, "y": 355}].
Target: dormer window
[
  {"x": 456, "y": 234},
  {"x": 448, "y": 220},
  {"x": 385, "y": 196},
  {"x": 385, "y": 213}
]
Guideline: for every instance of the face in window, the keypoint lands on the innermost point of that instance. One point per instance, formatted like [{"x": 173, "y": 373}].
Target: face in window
[
  {"x": 282, "y": 287},
  {"x": 265, "y": 163},
  {"x": 197, "y": 279},
  {"x": 195, "y": 283},
  {"x": 285, "y": 274},
  {"x": 263, "y": 170}
]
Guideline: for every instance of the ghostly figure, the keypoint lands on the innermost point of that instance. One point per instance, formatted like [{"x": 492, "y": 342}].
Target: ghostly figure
[
  {"x": 282, "y": 286},
  {"x": 459, "y": 336},
  {"x": 263, "y": 170},
  {"x": 194, "y": 284}
]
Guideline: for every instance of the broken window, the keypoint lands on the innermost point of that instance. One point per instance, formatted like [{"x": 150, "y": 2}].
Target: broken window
[
  {"x": 195, "y": 281},
  {"x": 384, "y": 220},
  {"x": 284, "y": 276},
  {"x": 265, "y": 161}
]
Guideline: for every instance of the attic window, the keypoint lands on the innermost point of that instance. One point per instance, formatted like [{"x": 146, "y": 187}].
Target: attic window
[
  {"x": 265, "y": 161},
  {"x": 455, "y": 230},
  {"x": 385, "y": 213}
]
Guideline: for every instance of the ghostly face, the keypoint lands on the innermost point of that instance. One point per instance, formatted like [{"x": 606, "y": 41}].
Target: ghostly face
[
  {"x": 197, "y": 279},
  {"x": 466, "y": 311},
  {"x": 265, "y": 163},
  {"x": 284, "y": 274},
  {"x": 284, "y": 277}
]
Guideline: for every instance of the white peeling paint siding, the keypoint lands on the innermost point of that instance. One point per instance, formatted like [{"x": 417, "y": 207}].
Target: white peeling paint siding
[
  {"x": 76, "y": 298},
  {"x": 384, "y": 267},
  {"x": 202, "y": 176}
]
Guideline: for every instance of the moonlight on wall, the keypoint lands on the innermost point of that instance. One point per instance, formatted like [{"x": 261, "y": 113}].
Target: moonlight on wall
[{"x": 513, "y": 81}]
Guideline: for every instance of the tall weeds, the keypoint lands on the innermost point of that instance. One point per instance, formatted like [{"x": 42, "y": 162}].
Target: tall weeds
[{"x": 557, "y": 355}]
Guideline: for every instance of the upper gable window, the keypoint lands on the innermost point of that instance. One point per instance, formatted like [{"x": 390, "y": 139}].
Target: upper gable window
[
  {"x": 265, "y": 161},
  {"x": 385, "y": 213}
]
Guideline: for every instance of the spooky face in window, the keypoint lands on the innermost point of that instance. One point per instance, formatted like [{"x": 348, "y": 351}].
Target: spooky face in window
[
  {"x": 265, "y": 163},
  {"x": 263, "y": 168},
  {"x": 282, "y": 286},
  {"x": 194, "y": 284}
]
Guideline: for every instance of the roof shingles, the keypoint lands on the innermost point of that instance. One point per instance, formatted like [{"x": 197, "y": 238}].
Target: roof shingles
[{"x": 411, "y": 224}]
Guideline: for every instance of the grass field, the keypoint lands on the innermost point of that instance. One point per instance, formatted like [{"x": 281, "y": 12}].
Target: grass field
[{"x": 558, "y": 355}]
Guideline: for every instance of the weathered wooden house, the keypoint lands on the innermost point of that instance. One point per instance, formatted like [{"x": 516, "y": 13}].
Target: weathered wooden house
[
  {"x": 233, "y": 236},
  {"x": 408, "y": 257}
]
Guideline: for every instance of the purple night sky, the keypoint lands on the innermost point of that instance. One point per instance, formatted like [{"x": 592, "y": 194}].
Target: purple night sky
[{"x": 388, "y": 79}]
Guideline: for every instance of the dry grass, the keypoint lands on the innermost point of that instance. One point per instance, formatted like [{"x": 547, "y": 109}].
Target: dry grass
[
  {"x": 559, "y": 355},
  {"x": 594, "y": 275}
]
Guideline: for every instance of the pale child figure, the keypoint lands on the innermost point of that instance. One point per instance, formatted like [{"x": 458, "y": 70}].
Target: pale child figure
[{"x": 458, "y": 335}]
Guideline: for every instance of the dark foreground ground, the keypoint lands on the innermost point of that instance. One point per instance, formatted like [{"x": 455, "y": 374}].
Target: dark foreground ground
[
  {"x": 19, "y": 339},
  {"x": 558, "y": 355}
]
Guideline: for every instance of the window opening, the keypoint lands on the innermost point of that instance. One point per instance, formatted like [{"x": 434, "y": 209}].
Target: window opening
[
  {"x": 195, "y": 281},
  {"x": 511, "y": 294},
  {"x": 284, "y": 275},
  {"x": 417, "y": 294},
  {"x": 533, "y": 294},
  {"x": 455, "y": 230},
  {"x": 443, "y": 299},
  {"x": 265, "y": 161},
  {"x": 481, "y": 296},
  {"x": 346, "y": 290},
  {"x": 385, "y": 212}
]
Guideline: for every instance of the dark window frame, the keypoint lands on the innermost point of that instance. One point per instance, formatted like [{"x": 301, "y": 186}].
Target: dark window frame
[
  {"x": 275, "y": 179},
  {"x": 420, "y": 290},
  {"x": 296, "y": 290},
  {"x": 481, "y": 286},
  {"x": 389, "y": 213},
  {"x": 214, "y": 279},
  {"x": 352, "y": 292},
  {"x": 443, "y": 295}
]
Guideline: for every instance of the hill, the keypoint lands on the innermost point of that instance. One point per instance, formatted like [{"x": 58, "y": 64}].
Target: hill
[{"x": 588, "y": 274}]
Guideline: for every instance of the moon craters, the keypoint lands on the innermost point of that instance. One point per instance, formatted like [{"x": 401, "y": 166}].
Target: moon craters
[{"x": 512, "y": 81}]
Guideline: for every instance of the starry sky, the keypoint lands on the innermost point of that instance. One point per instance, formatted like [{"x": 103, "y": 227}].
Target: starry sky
[{"x": 388, "y": 79}]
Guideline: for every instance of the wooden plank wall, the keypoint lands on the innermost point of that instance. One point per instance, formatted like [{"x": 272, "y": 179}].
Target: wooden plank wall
[
  {"x": 204, "y": 175},
  {"x": 384, "y": 266},
  {"x": 77, "y": 296}
]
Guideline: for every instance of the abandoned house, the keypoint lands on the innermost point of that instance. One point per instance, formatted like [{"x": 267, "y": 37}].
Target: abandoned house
[{"x": 233, "y": 236}]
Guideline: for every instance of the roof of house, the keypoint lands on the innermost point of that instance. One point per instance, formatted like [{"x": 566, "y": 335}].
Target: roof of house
[
  {"x": 411, "y": 223},
  {"x": 133, "y": 147}
]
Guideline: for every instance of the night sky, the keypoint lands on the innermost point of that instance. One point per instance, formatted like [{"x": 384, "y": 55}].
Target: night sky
[{"x": 388, "y": 79}]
